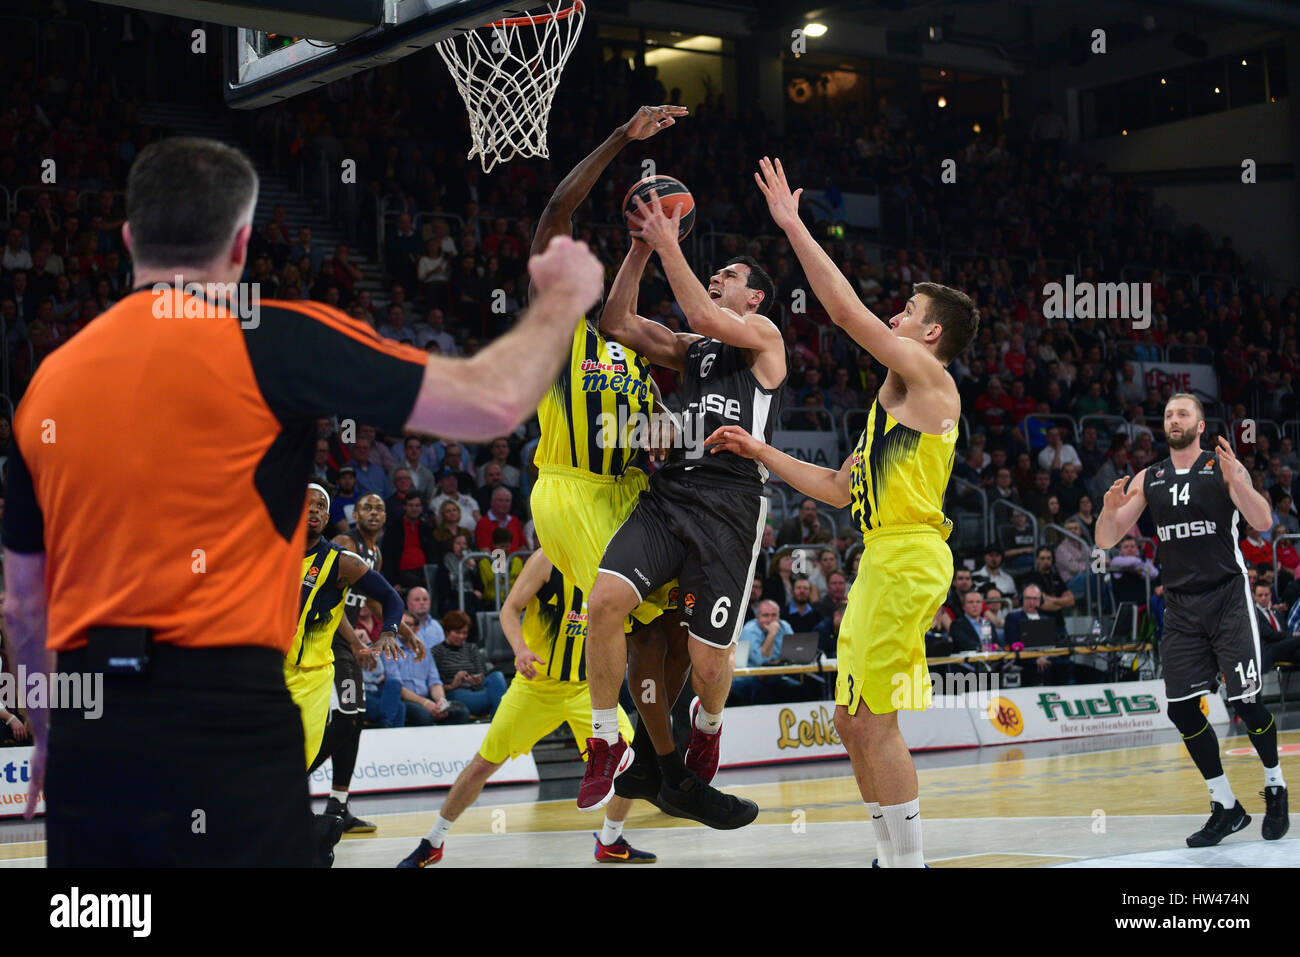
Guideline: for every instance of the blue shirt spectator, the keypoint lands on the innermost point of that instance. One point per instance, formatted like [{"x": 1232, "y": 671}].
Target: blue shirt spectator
[
  {"x": 416, "y": 676},
  {"x": 756, "y": 631},
  {"x": 427, "y": 628}
]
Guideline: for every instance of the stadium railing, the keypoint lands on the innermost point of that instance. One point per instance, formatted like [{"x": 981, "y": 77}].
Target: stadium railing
[
  {"x": 1291, "y": 428},
  {"x": 85, "y": 200},
  {"x": 968, "y": 488},
  {"x": 496, "y": 647},
  {"x": 1089, "y": 577},
  {"x": 1106, "y": 425},
  {"x": 852, "y": 422},
  {"x": 1003, "y": 503},
  {"x": 1265, "y": 426},
  {"x": 1196, "y": 355},
  {"x": 1288, "y": 537},
  {"x": 457, "y": 574},
  {"x": 778, "y": 508}
]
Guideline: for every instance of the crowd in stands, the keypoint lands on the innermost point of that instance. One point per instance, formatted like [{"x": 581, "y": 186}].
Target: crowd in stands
[{"x": 1054, "y": 409}]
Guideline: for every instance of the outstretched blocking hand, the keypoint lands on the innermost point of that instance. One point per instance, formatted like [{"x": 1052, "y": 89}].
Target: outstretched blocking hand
[
  {"x": 649, "y": 120},
  {"x": 781, "y": 203}
]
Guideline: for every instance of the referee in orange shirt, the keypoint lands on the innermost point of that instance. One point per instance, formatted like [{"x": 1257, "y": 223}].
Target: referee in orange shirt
[{"x": 156, "y": 513}]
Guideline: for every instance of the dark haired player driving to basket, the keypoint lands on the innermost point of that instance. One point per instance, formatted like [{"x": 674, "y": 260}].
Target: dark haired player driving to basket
[{"x": 701, "y": 519}]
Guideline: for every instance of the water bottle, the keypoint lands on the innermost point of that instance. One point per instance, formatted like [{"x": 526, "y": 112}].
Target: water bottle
[
  {"x": 1096, "y": 631},
  {"x": 986, "y": 635}
]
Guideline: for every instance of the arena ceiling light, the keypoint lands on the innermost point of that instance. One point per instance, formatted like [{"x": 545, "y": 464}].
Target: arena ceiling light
[{"x": 814, "y": 30}]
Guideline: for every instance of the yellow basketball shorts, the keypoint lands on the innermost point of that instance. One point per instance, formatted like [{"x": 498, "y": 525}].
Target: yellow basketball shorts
[
  {"x": 902, "y": 580},
  {"x": 310, "y": 689},
  {"x": 530, "y": 710},
  {"x": 576, "y": 513}
]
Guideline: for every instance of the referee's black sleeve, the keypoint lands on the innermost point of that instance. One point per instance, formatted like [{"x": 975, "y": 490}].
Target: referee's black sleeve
[
  {"x": 311, "y": 360},
  {"x": 24, "y": 526}
]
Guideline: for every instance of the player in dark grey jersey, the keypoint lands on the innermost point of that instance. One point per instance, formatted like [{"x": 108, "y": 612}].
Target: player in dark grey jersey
[
  {"x": 700, "y": 520},
  {"x": 1198, "y": 498}
]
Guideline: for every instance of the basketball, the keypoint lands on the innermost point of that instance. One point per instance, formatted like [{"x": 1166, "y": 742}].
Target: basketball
[{"x": 672, "y": 194}]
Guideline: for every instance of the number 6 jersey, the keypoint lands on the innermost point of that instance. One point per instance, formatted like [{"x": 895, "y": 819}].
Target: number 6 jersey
[{"x": 1197, "y": 525}]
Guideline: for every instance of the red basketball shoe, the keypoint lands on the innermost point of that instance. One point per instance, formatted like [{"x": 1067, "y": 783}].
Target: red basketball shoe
[
  {"x": 702, "y": 753},
  {"x": 605, "y": 762}
]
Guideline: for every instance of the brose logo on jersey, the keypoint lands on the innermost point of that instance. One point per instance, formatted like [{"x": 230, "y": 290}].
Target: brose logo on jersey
[
  {"x": 717, "y": 404},
  {"x": 1186, "y": 530}
]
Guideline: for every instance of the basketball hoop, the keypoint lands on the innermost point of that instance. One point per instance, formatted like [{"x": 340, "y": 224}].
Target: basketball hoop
[{"x": 507, "y": 73}]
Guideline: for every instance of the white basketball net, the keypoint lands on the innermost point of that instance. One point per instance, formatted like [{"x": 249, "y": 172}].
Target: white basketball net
[{"x": 507, "y": 73}]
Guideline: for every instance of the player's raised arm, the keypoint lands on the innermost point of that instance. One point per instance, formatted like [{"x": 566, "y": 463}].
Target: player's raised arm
[
  {"x": 826, "y": 485},
  {"x": 750, "y": 330},
  {"x": 1122, "y": 506},
  {"x": 1254, "y": 507},
  {"x": 907, "y": 357},
  {"x": 530, "y": 581},
  {"x": 619, "y": 319},
  {"x": 557, "y": 217}
]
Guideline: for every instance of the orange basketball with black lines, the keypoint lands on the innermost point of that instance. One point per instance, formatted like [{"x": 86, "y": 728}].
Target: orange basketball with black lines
[{"x": 672, "y": 194}]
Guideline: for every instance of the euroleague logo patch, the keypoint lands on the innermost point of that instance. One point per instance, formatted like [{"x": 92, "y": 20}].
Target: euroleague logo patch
[
  {"x": 672, "y": 597},
  {"x": 689, "y": 603}
]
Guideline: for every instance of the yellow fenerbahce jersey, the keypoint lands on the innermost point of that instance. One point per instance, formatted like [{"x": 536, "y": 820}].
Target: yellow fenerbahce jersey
[
  {"x": 591, "y": 411},
  {"x": 555, "y": 628},
  {"x": 321, "y": 605},
  {"x": 899, "y": 475}
]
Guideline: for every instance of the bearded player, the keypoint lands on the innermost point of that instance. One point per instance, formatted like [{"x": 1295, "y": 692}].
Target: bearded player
[
  {"x": 894, "y": 480},
  {"x": 1197, "y": 499}
]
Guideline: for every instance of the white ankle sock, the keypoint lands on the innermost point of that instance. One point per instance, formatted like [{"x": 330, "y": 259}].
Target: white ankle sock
[
  {"x": 707, "y": 721},
  {"x": 1273, "y": 777},
  {"x": 340, "y": 796},
  {"x": 1221, "y": 790},
  {"x": 604, "y": 724},
  {"x": 904, "y": 822},
  {"x": 610, "y": 831},
  {"x": 438, "y": 833},
  {"x": 884, "y": 846}
]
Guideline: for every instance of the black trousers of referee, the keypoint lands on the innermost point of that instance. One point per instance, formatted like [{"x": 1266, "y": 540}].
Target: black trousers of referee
[{"x": 197, "y": 763}]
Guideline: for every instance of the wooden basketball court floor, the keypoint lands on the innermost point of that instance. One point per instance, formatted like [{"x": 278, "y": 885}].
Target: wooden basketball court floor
[{"x": 1119, "y": 801}]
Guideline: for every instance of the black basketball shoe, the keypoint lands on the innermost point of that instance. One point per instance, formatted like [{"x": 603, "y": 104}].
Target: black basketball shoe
[
  {"x": 351, "y": 823},
  {"x": 327, "y": 829},
  {"x": 641, "y": 780},
  {"x": 1223, "y": 821},
  {"x": 701, "y": 802},
  {"x": 1276, "y": 820}
]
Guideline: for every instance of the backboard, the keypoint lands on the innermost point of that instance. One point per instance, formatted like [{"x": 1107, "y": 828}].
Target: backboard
[{"x": 276, "y": 58}]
